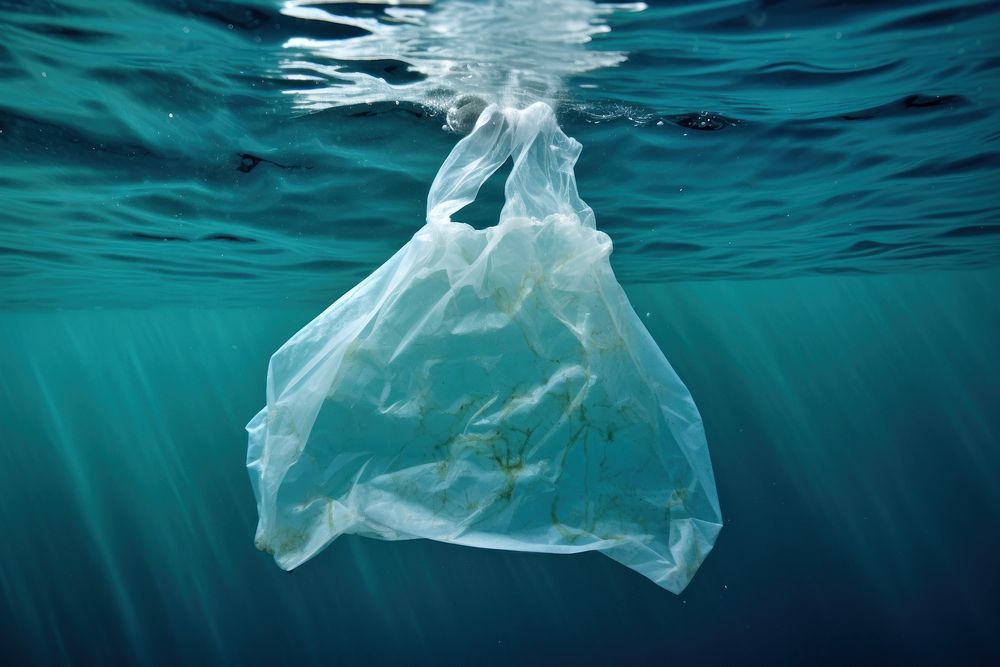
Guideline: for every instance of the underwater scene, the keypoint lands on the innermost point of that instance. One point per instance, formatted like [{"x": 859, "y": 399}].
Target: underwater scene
[{"x": 500, "y": 332}]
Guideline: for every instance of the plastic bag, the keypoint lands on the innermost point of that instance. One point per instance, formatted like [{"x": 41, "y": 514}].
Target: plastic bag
[{"x": 492, "y": 388}]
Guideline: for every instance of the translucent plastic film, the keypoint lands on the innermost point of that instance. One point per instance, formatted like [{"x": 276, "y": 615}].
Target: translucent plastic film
[{"x": 491, "y": 388}]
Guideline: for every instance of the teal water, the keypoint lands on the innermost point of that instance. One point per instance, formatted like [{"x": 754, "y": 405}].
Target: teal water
[
  {"x": 850, "y": 140},
  {"x": 853, "y": 425},
  {"x": 820, "y": 268}
]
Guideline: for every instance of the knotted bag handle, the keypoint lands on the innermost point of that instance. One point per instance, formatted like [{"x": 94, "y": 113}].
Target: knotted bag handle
[{"x": 541, "y": 182}]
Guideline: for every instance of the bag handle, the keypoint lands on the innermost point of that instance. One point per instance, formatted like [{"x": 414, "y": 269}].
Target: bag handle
[{"x": 541, "y": 183}]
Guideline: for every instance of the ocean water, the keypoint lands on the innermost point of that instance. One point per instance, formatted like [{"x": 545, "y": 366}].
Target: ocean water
[{"x": 802, "y": 199}]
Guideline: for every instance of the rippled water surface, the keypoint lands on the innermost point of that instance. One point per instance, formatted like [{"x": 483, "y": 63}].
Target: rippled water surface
[
  {"x": 158, "y": 151},
  {"x": 802, "y": 200}
]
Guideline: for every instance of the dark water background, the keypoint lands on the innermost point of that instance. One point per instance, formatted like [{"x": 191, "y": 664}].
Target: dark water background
[{"x": 803, "y": 202}]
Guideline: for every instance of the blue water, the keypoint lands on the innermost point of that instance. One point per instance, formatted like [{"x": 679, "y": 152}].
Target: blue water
[{"x": 802, "y": 202}]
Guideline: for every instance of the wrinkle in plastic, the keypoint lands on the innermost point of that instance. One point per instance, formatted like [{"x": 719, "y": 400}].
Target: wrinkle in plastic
[{"x": 491, "y": 388}]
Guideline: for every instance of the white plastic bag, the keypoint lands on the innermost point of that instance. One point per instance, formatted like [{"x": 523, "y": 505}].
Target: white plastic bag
[{"x": 492, "y": 388}]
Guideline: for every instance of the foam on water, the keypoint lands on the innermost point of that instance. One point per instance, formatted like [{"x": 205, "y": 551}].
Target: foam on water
[{"x": 511, "y": 52}]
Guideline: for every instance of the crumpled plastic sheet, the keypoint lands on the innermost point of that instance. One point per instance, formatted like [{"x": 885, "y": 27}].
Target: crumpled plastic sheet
[{"x": 491, "y": 388}]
